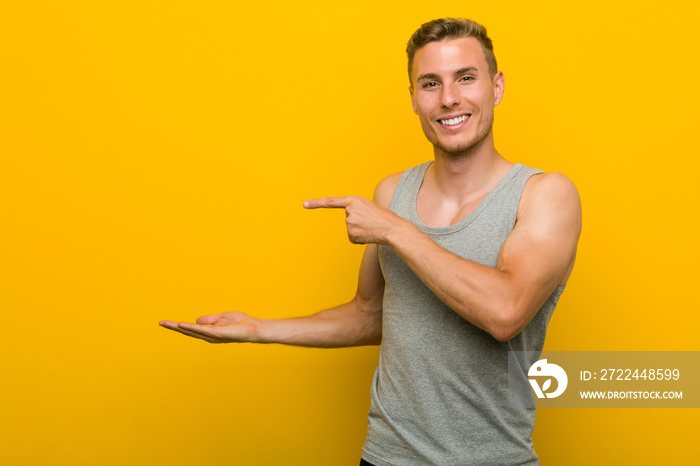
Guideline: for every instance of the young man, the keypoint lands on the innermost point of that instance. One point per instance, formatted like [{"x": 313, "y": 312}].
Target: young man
[{"x": 466, "y": 258}]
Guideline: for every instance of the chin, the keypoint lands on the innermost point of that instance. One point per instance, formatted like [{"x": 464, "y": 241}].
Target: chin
[{"x": 459, "y": 148}]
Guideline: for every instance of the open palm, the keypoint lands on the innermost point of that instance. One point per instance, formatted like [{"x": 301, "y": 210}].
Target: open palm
[{"x": 219, "y": 328}]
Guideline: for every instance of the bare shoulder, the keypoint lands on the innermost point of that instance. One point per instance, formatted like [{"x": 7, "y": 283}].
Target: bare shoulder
[
  {"x": 549, "y": 184},
  {"x": 385, "y": 190},
  {"x": 551, "y": 195},
  {"x": 547, "y": 188}
]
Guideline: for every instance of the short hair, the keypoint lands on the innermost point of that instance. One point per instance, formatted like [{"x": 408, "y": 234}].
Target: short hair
[{"x": 450, "y": 28}]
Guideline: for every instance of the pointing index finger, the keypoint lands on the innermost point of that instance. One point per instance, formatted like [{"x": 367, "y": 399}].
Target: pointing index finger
[{"x": 328, "y": 203}]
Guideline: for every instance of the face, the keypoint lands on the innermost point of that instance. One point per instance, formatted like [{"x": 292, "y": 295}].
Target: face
[{"x": 454, "y": 95}]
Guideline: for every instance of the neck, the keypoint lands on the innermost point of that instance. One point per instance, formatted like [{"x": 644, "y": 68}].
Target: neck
[{"x": 464, "y": 174}]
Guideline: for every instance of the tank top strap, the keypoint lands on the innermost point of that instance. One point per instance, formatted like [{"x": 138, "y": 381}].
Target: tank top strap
[
  {"x": 407, "y": 189},
  {"x": 510, "y": 188}
]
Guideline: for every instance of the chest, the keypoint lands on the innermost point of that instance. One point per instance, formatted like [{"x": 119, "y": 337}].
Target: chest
[{"x": 438, "y": 212}]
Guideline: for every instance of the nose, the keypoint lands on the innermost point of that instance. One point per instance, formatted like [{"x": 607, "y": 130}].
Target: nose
[{"x": 450, "y": 95}]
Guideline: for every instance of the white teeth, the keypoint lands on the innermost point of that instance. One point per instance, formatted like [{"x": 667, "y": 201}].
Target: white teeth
[{"x": 454, "y": 121}]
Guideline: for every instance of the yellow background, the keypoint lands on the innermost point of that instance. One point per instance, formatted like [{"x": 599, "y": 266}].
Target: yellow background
[{"x": 154, "y": 158}]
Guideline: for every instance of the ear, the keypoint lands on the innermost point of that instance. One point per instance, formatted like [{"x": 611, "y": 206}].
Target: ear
[
  {"x": 413, "y": 99},
  {"x": 499, "y": 85}
]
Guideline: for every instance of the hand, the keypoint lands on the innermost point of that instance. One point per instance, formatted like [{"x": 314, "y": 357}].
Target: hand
[
  {"x": 366, "y": 221},
  {"x": 220, "y": 328}
]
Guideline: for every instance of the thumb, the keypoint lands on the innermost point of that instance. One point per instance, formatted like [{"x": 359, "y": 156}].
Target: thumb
[{"x": 208, "y": 320}]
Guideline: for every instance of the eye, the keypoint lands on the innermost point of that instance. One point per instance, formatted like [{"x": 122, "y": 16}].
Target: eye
[
  {"x": 467, "y": 79},
  {"x": 430, "y": 85}
]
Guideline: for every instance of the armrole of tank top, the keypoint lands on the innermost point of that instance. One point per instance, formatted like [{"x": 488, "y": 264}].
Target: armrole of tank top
[{"x": 440, "y": 392}]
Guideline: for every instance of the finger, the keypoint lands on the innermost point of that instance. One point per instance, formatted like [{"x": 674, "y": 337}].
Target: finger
[
  {"x": 206, "y": 330},
  {"x": 329, "y": 203},
  {"x": 198, "y": 331},
  {"x": 169, "y": 325}
]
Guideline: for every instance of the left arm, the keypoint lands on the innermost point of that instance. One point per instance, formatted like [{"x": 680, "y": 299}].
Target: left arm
[{"x": 536, "y": 257}]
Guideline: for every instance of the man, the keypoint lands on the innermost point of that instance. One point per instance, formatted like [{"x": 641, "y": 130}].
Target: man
[{"x": 465, "y": 261}]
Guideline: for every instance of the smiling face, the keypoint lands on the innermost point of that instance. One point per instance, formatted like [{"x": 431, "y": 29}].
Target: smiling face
[{"x": 454, "y": 95}]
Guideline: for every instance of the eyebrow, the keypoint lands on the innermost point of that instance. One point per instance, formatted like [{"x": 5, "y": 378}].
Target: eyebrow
[
  {"x": 427, "y": 76},
  {"x": 468, "y": 69}
]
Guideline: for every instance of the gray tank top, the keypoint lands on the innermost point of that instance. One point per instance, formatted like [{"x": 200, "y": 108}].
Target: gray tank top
[{"x": 439, "y": 394}]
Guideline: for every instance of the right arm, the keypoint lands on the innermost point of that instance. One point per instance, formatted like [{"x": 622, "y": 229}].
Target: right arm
[{"x": 356, "y": 323}]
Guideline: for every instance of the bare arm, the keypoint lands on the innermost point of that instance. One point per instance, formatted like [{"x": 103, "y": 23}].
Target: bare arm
[
  {"x": 536, "y": 257},
  {"x": 356, "y": 323}
]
